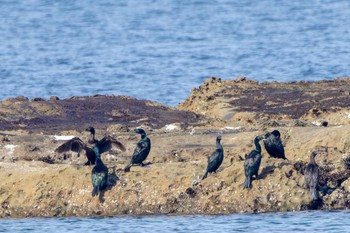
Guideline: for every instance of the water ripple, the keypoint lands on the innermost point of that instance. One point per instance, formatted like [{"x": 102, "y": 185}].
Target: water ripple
[
  {"x": 67, "y": 48},
  {"x": 311, "y": 221}
]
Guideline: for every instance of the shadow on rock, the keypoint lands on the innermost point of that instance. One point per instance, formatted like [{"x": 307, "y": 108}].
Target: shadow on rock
[
  {"x": 112, "y": 179},
  {"x": 147, "y": 164},
  {"x": 266, "y": 170},
  {"x": 313, "y": 205}
]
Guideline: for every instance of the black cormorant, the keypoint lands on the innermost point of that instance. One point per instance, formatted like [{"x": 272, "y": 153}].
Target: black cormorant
[
  {"x": 311, "y": 174},
  {"x": 273, "y": 144},
  {"x": 252, "y": 163},
  {"x": 215, "y": 159},
  {"x": 99, "y": 174},
  {"x": 77, "y": 145},
  {"x": 141, "y": 151},
  {"x": 106, "y": 143}
]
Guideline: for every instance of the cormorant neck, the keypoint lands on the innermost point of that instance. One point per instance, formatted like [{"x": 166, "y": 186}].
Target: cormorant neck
[
  {"x": 257, "y": 145},
  {"x": 97, "y": 153},
  {"x": 92, "y": 137},
  {"x": 143, "y": 136},
  {"x": 218, "y": 145},
  {"x": 312, "y": 160},
  {"x": 98, "y": 161}
]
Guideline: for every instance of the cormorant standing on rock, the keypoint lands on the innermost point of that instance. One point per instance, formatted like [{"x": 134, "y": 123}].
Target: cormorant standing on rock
[
  {"x": 215, "y": 159},
  {"x": 273, "y": 144},
  {"x": 77, "y": 145},
  {"x": 311, "y": 174},
  {"x": 107, "y": 143},
  {"x": 252, "y": 163},
  {"x": 141, "y": 151},
  {"x": 99, "y": 174}
]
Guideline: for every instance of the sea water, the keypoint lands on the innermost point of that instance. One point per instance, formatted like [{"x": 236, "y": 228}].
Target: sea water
[
  {"x": 160, "y": 49},
  {"x": 308, "y": 221}
]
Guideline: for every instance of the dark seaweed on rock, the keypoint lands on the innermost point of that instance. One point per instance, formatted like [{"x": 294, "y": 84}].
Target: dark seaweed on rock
[
  {"x": 334, "y": 179},
  {"x": 346, "y": 162},
  {"x": 81, "y": 112}
]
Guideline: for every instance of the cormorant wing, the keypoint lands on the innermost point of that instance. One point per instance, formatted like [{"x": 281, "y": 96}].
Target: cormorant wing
[
  {"x": 248, "y": 163},
  {"x": 251, "y": 159},
  {"x": 108, "y": 142},
  {"x": 75, "y": 144},
  {"x": 141, "y": 148},
  {"x": 311, "y": 175},
  {"x": 213, "y": 156}
]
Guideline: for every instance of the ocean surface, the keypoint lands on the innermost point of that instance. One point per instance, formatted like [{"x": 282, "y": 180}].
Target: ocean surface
[
  {"x": 313, "y": 221},
  {"x": 160, "y": 49}
]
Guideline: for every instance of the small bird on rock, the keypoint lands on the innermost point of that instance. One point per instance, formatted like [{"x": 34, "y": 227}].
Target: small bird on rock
[
  {"x": 215, "y": 159},
  {"x": 107, "y": 143},
  {"x": 141, "y": 151},
  {"x": 252, "y": 163}
]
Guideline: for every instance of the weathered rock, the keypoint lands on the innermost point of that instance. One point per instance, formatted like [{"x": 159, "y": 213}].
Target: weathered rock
[
  {"x": 36, "y": 181},
  {"x": 296, "y": 100},
  {"x": 80, "y": 112}
]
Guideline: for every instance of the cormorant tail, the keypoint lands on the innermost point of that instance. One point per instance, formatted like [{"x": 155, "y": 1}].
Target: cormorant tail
[
  {"x": 205, "y": 175},
  {"x": 314, "y": 194},
  {"x": 95, "y": 191},
  {"x": 127, "y": 168},
  {"x": 247, "y": 183}
]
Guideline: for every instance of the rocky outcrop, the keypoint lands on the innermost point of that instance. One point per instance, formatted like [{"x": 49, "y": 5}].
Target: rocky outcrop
[
  {"x": 247, "y": 100},
  {"x": 36, "y": 181}
]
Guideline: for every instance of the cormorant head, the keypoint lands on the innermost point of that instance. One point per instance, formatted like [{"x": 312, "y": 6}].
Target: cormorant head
[
  {"x": 276, "y": 133},
  {"x": 218, "y": 138},
  {"x": 313, "y": 154},
  {"x": 140, "y": 131},
  {"x": 91, "y": 130},
  {"x": 258, "y": 138}
]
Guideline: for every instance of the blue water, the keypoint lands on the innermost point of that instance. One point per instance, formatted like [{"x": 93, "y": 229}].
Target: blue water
[
  {"x": 160, "y": 49},
  {"x": 314, "y": 221}
]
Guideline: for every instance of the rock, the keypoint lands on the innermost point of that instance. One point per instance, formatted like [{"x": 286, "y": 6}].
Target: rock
[
  {"x": 54, "y": 98},
  {"x": 37, "y": 182}
]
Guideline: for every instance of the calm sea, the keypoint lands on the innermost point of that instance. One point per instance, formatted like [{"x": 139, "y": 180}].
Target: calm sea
[
  {"x": 160, "y": 49},
  {"x": 313, "y": 221}
]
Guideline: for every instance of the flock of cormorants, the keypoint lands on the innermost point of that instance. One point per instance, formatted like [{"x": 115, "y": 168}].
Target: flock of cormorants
[{"x": 99, "y": 175}]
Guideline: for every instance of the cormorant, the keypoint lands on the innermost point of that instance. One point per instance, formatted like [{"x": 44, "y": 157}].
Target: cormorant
[
  {"x": 106, "y": 143},
  {"x": 215, "y": 159},
  {"x": 273, "y": 144},
  {"x": 311, "y": 174},
  {"x": 77, "y": 145},
  {"x": 252, "y": 163},
  {"x": 141, "y": 151},
  {"x": 99, "y": 174}
]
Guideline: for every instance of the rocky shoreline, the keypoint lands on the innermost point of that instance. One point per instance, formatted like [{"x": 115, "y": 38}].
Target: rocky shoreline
[{"x": 311, "y": 116}]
